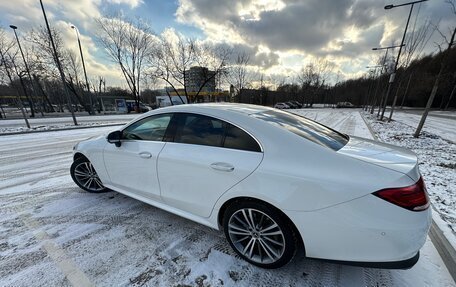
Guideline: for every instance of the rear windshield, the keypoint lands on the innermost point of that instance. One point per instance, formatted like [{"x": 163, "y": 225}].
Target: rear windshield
[{"x": 305, "y": 128}]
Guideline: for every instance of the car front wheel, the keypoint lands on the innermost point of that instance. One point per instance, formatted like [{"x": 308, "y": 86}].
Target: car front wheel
[
  {"x": 85, "y": 176},
  {"x": 260, "y": 234}
]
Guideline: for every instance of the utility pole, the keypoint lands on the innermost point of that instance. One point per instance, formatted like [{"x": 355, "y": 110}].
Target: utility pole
[
  {"x": 34, "y": 95},
  {"x": 435, "y": 87},
  {"x": 59, "y": 66},
  {"x": 393, "y": 75},
  {"x": 373, "y": 96},
  {"x": 369, "y": 90},
  {"x": 84, "y": 68},
  {"x": 381, "y": 72}
]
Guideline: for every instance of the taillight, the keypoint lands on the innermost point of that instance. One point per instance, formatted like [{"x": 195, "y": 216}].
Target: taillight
[{"x": 413, "y": 197}]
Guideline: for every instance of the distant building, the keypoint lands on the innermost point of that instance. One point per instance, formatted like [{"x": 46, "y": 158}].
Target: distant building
[{"x": 195, "y": 77}]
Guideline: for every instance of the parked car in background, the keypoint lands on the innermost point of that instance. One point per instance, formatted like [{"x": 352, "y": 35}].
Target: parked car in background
[
  {"x": 273, "y": 181},
  {"x": 142, "y": 107},
  {"x": 298, "y": 104},
  {"x": 281, "y": 106},
  {"x": 292, "y": 105},
  {"x": 345, "y": 105}
]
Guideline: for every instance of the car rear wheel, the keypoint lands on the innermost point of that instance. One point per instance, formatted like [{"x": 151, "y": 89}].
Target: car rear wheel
[
  {"x": 85, "y": 176},
  {"x": 260, "y": 234}
]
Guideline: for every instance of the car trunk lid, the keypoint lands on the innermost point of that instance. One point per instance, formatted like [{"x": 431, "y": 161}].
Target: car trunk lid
[{"x": 384, "y": 155}]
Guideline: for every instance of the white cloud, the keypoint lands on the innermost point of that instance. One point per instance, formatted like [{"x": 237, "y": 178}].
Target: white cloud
[
  {"x": 27, "y": 14},
  {"x": 131, "y": 3},
  {"x": 343, "y": 31},
  {"x": 281, "y": 36}
]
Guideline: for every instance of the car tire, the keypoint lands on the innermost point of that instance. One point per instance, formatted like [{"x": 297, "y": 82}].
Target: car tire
[
  {"x": 84, "y": 175},
  {"x": 260, "y": 234}
]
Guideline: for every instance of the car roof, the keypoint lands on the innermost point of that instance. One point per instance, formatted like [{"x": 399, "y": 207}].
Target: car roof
[{"x": 229, "y": 107}]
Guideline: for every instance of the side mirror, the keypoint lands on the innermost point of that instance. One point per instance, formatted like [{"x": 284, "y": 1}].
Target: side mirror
[{"x": 114, "y": 138}]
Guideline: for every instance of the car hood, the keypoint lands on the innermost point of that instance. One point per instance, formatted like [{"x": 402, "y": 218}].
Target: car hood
[{"x": 385, "y": 155}]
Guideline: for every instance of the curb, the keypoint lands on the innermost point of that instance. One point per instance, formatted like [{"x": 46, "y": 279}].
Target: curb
[
  {"x": 444, "y": 248},
  {"x": 441, "y": 243},
  {"x": 64, "y": 129},
  {"x": 374, "y": 135}
]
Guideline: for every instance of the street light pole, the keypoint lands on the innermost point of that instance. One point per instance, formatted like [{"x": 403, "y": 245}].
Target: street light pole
[
  {"x": 83, "y": 67},
  {"x": 32, "y": 104},
  {"x": 393, "y": 75},
  {"x": 59, "y": 66},
  {"x": 381, "y": 72},
  {"x": 372, "y": 98},
  {"x": 369, "y": 89}
]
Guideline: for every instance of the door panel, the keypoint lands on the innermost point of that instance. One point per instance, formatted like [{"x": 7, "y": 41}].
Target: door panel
[
  {"x": 132, "y": 166},
  {"x": 192, "y": 177}
]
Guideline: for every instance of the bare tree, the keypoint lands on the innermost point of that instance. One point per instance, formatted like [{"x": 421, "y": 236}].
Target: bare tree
[
  {"x": 238, "y": 75},
  {"x": 415, "y": 42},
  {"x": 126, "y": 43},
  {"x": 414, "y": 45},
  {"x": 45, "y": 62},
  {"x": 213, "y": 61},
  {"x": 5, "y": 46},
  {"x": 171, "y": 59},
  {"x": 175, "y": 55},
  {"x": 435, "y": 87},
  {"x": 452, "y": 4},
  {"x": 99, "y": 88},
  {"x": 313, "y": 78},
  {"x": 43, "y": 53},
  {"x": 73, "y": 67}
]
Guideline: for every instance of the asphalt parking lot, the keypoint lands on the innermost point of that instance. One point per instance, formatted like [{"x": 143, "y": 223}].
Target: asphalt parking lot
[{"x": 54, "y": 234}]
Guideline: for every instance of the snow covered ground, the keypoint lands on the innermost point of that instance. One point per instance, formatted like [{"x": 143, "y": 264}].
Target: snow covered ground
[
  {"x": 438, "y": 122},
  {"x": 55, "y": 123},
  {"x": 54, "y": 234}
]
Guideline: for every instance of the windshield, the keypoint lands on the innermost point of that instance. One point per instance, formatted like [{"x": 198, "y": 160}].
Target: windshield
[{"x": 305, "y": 128}]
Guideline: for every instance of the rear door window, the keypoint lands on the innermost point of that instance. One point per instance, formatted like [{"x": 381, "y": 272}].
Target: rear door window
[
  {"x": 200, "y": 130},
  {"x": 238, "y": 139},
  {"x": 205, "y": 130}
]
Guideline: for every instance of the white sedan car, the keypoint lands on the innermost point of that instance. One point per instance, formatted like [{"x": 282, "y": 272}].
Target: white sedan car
[{"x": 271, "y": 180}]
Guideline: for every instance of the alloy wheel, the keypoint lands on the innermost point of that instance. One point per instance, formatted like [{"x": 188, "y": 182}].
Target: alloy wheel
[
  {"x": 256, "y": 235},
  {"x": 87, "y": 177}
]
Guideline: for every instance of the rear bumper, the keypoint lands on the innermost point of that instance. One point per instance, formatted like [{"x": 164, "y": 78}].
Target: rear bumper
[
  {"x": 403, "y": 264},
  {"x": 366, "y": 231}
]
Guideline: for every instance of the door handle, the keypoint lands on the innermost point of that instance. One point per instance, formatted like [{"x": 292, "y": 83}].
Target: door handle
[
  {"x": 222, "y": 166},
  {"x": 145, "y": 154}
]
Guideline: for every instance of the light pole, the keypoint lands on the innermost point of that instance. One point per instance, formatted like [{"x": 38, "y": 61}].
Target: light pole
[
  {"x": 381, "y": 71},
  {"x": 59, "y": 67},
  {"x": 370, "y": 96},
  {"x": 393, "y": 75},
  {"x": 83, "y": 67},
  {"x": 32, "y": 104}
]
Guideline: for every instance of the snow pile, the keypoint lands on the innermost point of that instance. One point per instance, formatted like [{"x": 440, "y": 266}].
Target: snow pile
[{"x": 437, "y": 158}]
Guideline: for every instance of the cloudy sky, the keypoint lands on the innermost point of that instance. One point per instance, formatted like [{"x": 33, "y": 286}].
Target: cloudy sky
[{"x": 281, "y": 36}]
